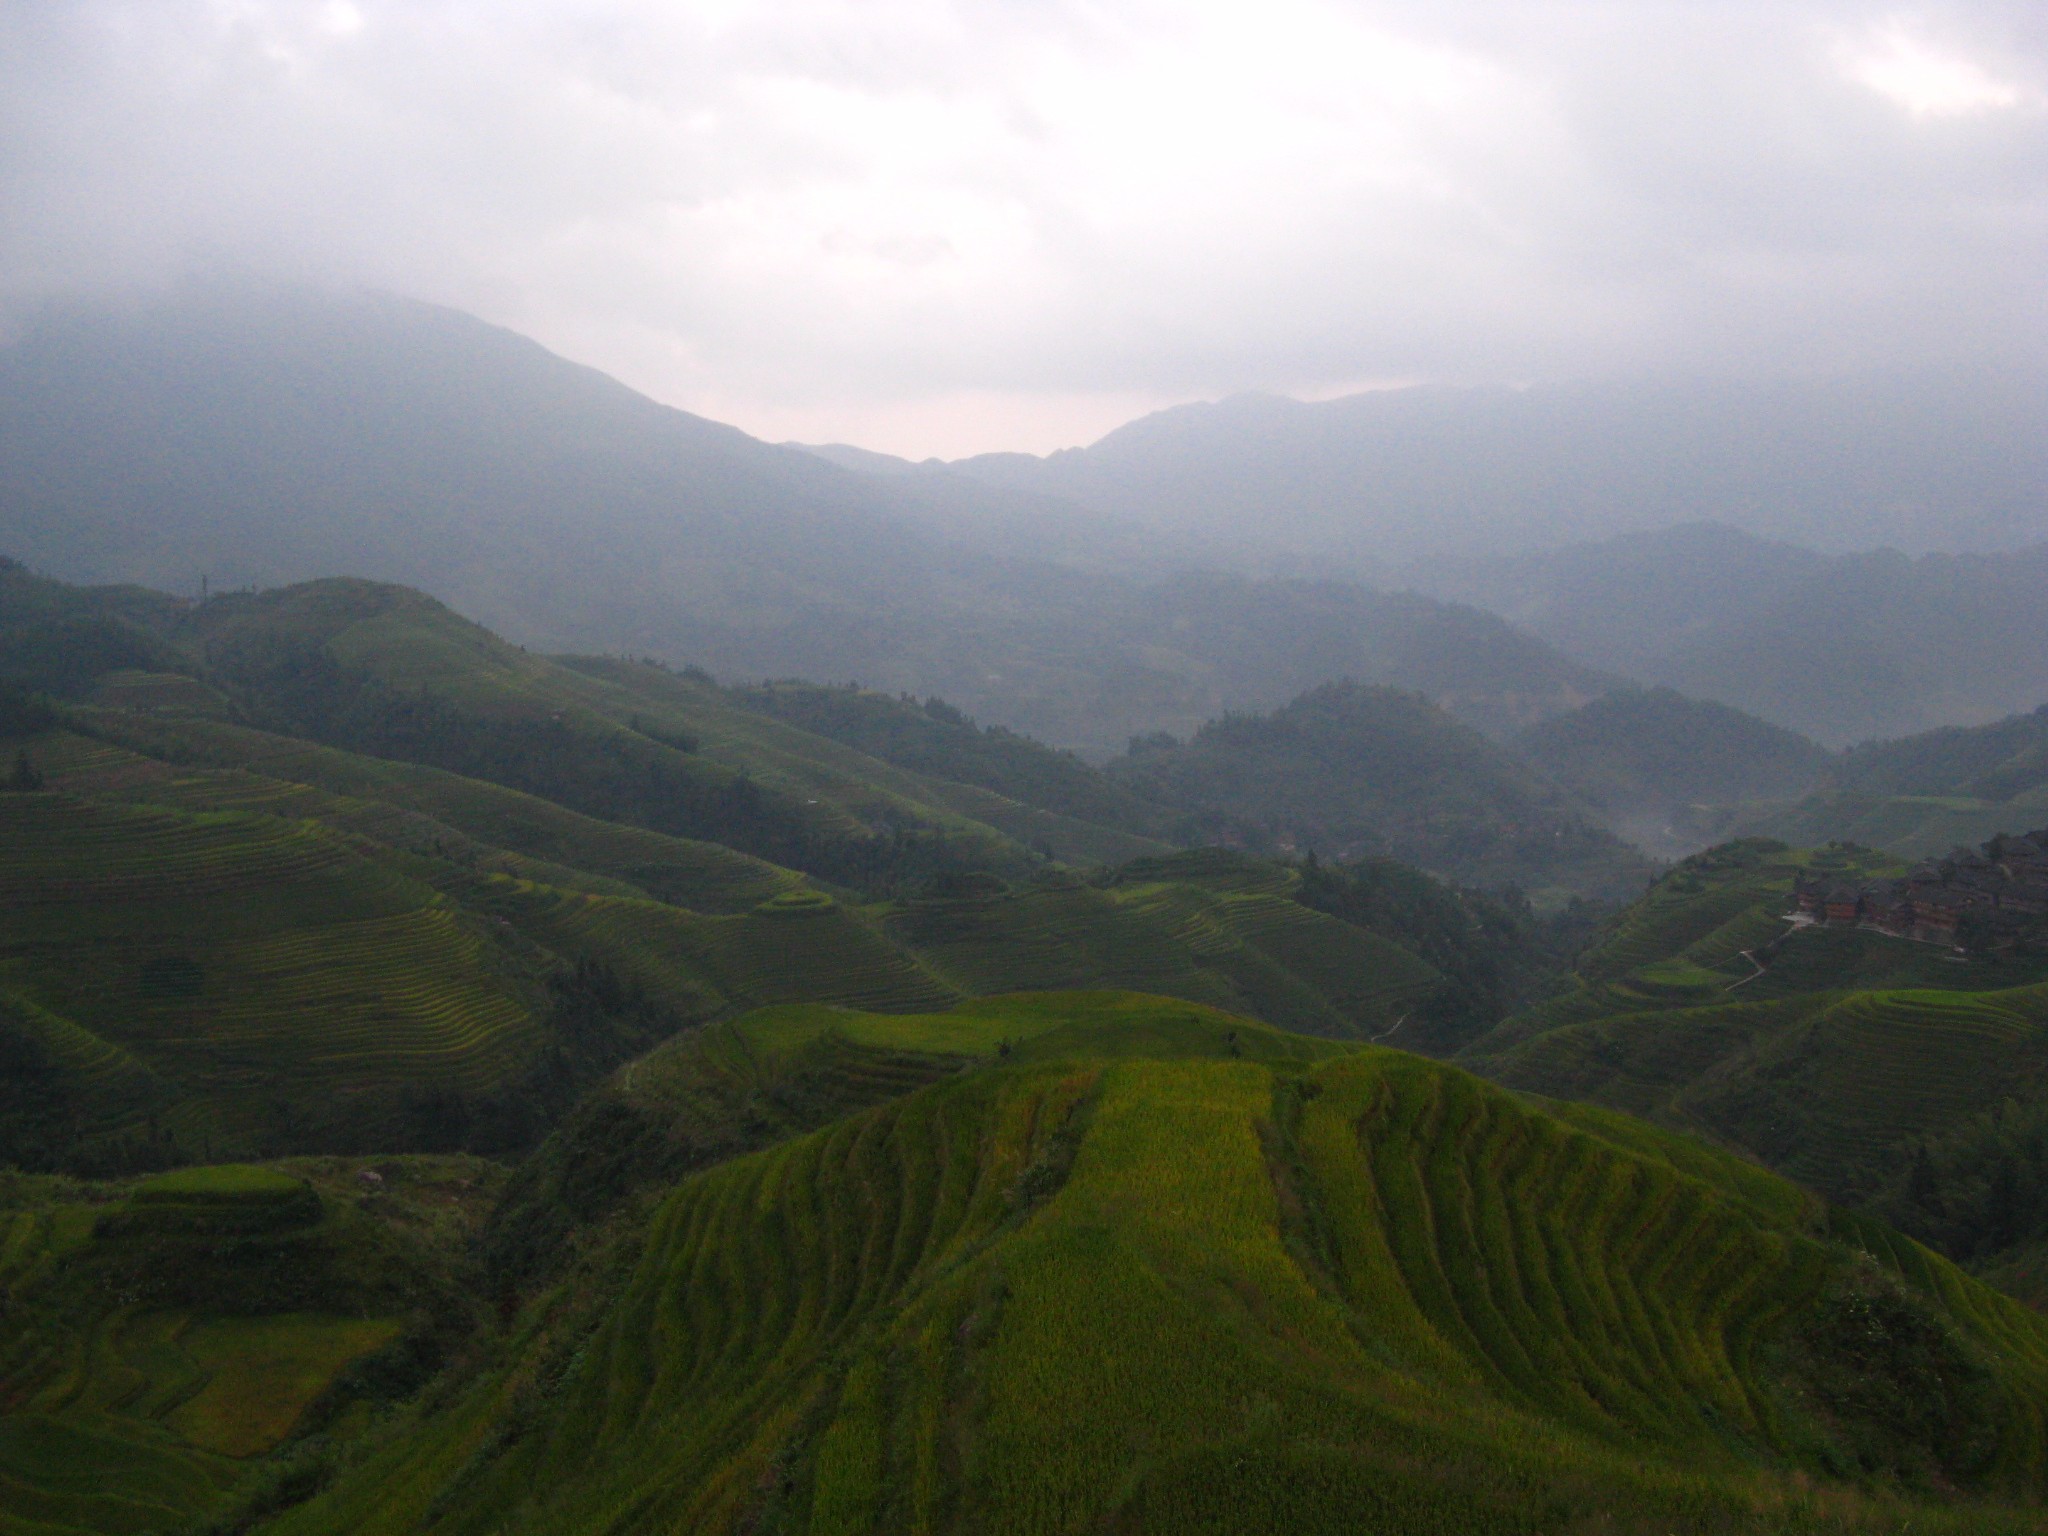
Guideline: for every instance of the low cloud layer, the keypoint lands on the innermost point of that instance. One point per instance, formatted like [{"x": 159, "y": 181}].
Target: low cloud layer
[{"x": 937, "y": 227}]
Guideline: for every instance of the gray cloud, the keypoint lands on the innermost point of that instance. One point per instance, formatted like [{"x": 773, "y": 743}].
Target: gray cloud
[{"x": 980, "y": 224}]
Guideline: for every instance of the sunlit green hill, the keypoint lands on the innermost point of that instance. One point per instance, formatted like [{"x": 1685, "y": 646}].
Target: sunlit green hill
[{"x": 1126, "y": 1265}]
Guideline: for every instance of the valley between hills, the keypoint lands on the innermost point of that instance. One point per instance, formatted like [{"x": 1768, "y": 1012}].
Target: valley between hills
[
  {"x": 451, "y": 1088},
  {"x": 563, "y": 969}
]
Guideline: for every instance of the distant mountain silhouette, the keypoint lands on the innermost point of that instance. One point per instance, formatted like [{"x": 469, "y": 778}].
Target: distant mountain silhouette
[
  {"x": 275, "y": 434},
  {"x": 1841, "y": 647},
  {"x": 1926, "y": 461}
]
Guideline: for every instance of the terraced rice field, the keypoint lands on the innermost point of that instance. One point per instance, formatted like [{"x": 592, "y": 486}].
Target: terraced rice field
[
  {"x": 64, "y": 853},
  {"x": 1350, "y": 1291},
  {"x": 828, "y": 954},
  {"x": 1075, "y": 936},
  {"x": 1644, "y": 1062},
  {"x": 1672, "y": 919},
  {"x": 819, "y": 952},
  {"x": 236, "y": 962},
  {"x": 122, "y": 1414},
  {"x": 1880, "y": 1067},
  {"x": 699, "y": 875}
]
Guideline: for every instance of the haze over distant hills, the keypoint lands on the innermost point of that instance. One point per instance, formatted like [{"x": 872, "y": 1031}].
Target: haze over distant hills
[
  {"x": 1671, "y": 533},
  {"x": 1922, "y": 460},
  {"x": 277, "y": 434},
  {"x": 272, "y": 434},
  {"x": 1842, "y": 647}
]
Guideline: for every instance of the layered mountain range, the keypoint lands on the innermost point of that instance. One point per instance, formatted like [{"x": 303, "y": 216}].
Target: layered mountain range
[{"x": 747, "y": 995}]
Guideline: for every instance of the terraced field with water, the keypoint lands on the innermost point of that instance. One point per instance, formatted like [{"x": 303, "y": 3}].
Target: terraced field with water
[{"x": 1178, "y": 1272}]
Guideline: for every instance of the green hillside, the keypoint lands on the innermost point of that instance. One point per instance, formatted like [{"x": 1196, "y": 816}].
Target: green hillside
[
  {"x": 1171, "y": 1271},
  {"x": 181, "y": 985},
  {"x": 179, "y": 982},
  {"x": 236, "y": 942},
  {"x": 1880, "y": 1071},
  {"x": 170, "y": 1344},
  {"x": 889, "y": 1130},
  {"x": 386, "y": 671},
  {"x": 1920, "y": 796},
  {"x": 1348, "y": 769},
  {"x": 933, "y": 738}
]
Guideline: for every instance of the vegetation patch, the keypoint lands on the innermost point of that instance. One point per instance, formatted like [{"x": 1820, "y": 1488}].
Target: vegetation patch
[
  {"x": 1890, "y": 1386},
  {"x": 262, "y": 1373},
  {"x": 1056, "y": 1292}
]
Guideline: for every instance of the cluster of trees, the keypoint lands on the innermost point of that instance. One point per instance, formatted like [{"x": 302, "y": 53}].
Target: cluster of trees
[
  {"x": 1351, "y": 769},
  {"x": 931, "y": 737},
  {"x": 1495, "y": 953},
  {"x": 1980, "y": 1191}
]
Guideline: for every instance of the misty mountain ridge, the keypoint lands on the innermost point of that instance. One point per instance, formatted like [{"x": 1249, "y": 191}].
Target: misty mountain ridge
[
  {"x": 1922, "y": 459},
  {"x": 278, "y": 434},
  {"x": 1844, "y": 647}
]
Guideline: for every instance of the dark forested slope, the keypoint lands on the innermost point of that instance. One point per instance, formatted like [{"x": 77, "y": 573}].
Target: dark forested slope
[{"x": 1348, "y": 769}]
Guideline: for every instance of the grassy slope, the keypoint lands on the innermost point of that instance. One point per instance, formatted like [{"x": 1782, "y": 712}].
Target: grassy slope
[
  {"x": 1833, "y": 1063},
  {"x": 1028, "y": 792},
  {"x": 938, "y": 741},
  {"x": 812, "y": 792},
  {"x": 263, "y": 945},
  {"x": 1687, "y": 941},
  {"x": 1920, "y": 796},
  {"x": 1831, "y": 1089},
  {"x": 1166, "y": 1270},
  {"x": 225, "y": 981},
  {"x": 403, "y": 805},
  {"x": 163, "y": 1336}
]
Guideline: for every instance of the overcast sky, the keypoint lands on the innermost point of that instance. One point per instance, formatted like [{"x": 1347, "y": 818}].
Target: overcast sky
[{"x": 941, "y": 228}]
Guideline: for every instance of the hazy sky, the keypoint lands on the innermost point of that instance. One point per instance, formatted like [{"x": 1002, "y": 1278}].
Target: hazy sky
[{"x": 940, "y": 228}]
